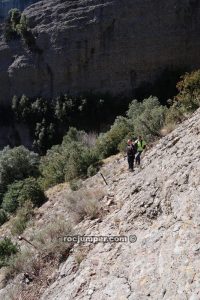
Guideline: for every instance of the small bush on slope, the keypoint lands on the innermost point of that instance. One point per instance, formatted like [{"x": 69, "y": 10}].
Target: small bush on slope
[
  {"x": 21, "y": 191},
  {"x": 68, "y": 161},
  {"x": 3, "y": 216},
  {"x": 24, "y": 214},
  {"x": 7, "y": 249},
  {"x": 84, "y": 202},
  {"x": 187, "y": 100},
  {"x": 147, "y": 117},
  {"x": 189, "y": 91},
  {"x": 16, "y": 164},
  {"x": 107, "y": 143}
]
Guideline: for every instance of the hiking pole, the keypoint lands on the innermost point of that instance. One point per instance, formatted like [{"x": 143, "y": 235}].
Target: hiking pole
[
  {"x": 22, "y": 238},
  {"x": 104, "y": 178}
]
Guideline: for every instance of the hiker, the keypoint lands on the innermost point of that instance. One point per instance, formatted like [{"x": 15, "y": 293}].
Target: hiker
[
  {"x": 130, "y": 150},
  {"x": 140, "y": 146}
]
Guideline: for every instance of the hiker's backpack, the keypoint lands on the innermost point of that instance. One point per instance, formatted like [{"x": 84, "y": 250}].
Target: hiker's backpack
[{"x": 130, "y": 150}]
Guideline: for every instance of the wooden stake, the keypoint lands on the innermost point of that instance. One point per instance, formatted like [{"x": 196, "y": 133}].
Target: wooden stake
[
  {"x": 22, "y": 238},
  {"x": 104, "y": 179}
]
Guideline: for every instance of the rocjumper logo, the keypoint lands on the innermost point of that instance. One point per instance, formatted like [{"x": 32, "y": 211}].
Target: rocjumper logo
[{"x": 81, "y": 239}]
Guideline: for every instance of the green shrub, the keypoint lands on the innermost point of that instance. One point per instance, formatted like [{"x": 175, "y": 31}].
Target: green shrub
[
  {"x": 174, "y": 114},
  {"x": 52, "y": 167},
  {"x": 13, "y": 20},
  {"x": 135, "y": 109},
  {"x": 22, "y": 191},
  {"x": 186, "y": 101},
  {"x": 189, "y": 91},
  {"x": 79, "y": 160},
  {"x": 7, "y": 249},
  {"x": 143, "y": 118},
  {"x": 17, "y": 27},
  {"x": 107, "y": 144},
  {"x": 75, "y": 157},
  {"x": 147, "y": 117},
  {"x": 68, "y": 161},
  {"x": 75, "y": 184},
  {"x": 19, "y": 225},
  {"x": 92, "y": 170},
  {"x": 3, "y": 217},
  {"x": 16, "y": 164},
  {"x": 24, "y": 214},
  {"x": 48, "y": 120},
  {"x": 10, "y": 200},
  {"x": 31, "y": 191},
  {"x": 22, "y": 262}
]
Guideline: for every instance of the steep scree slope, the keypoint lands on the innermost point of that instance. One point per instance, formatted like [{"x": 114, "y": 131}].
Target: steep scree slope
[
  {"x": 100, "y": 46},
  {"x": 160, "y": 204}
]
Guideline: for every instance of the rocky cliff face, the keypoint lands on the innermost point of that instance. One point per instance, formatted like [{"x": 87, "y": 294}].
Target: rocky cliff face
[
  {"x": 158, "y": 203},
  {"x": 100, "y": 46}
]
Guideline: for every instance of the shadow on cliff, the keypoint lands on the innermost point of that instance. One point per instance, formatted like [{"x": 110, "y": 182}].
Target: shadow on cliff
[{"x": 164, "y": 87}]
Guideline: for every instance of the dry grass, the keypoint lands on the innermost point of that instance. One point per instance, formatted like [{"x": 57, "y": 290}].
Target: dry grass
[
  {"x": 34, "y": 289},
  {"x": 40, "y": 261},
  {"x": 56, "y": 189},
  {"x": 50, "y": 241},
  {"x": 168, "y": 128},
  {"x": 85, "y": 202},
  {"x": 49, "y": 246},
  {"x": 112, "y": 158},
  {"x": 14, "y": 293},
  {"x": 24, "y": 214},
  {"x": 24, "y": 262},
  {"x": 80, "y": 254}
]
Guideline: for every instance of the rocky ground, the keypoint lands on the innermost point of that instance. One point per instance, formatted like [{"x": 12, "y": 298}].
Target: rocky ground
[{"x": 159, "y": 204}]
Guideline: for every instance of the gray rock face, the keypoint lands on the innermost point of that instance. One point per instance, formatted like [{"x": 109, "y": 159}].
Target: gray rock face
[
  {"x": 160, "y": 205},
  {"x": 100, "y": 46}
]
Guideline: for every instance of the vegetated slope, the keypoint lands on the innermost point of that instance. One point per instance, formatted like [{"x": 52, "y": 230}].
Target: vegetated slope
[
  {"x": 96, "y": 46},
  {"x": 158, "y": 203}
]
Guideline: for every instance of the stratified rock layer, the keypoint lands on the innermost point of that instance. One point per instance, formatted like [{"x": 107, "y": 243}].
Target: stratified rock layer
[{"x": 101, "y": 46}]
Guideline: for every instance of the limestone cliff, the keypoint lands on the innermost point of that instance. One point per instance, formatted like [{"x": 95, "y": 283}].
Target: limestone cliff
[{"x": 100, "y": 46}]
